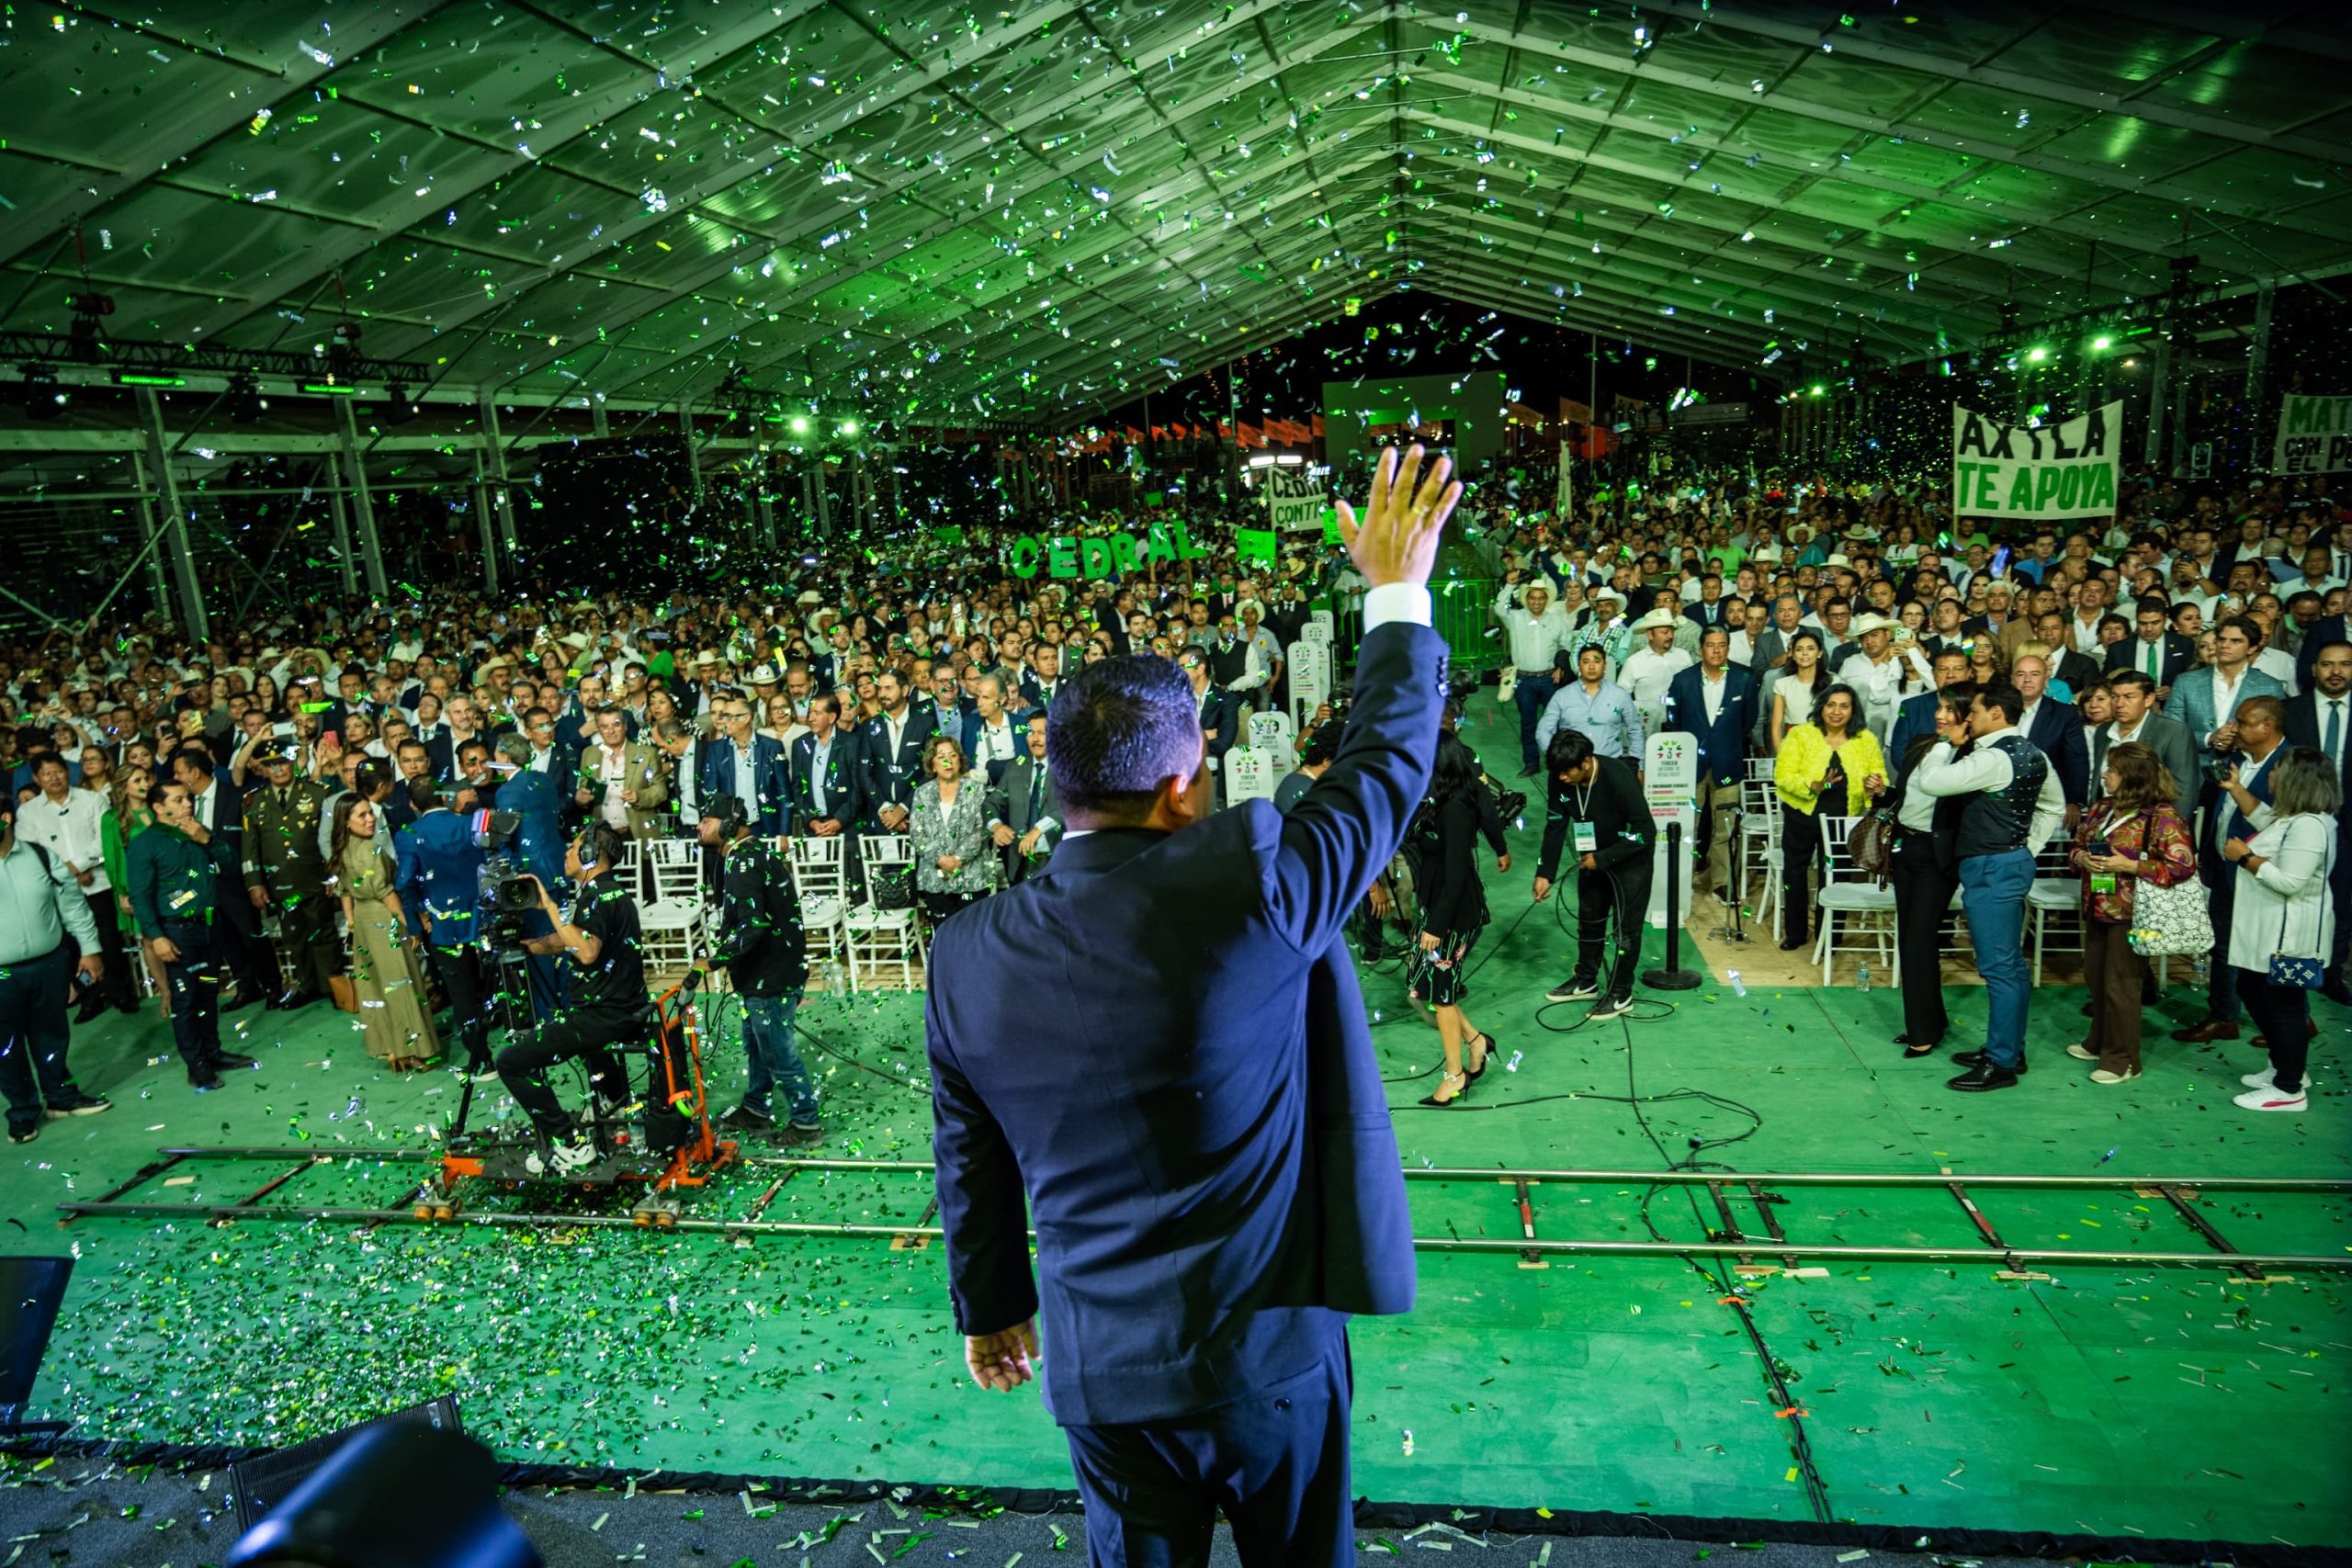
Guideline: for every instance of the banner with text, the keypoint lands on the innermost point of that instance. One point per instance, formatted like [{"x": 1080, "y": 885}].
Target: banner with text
[
  {"x": 2067, "y": 469},
  {"x": 2314, "y": 436},
  {"x": 1294, "y": 502}
]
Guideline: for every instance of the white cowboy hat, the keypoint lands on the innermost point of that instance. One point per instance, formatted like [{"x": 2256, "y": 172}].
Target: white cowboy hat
[
  {"x": 576, "y": 641},
  {"x": 1656, "y": 620},
  {"x": 765, "y": 675},
  {"x": 1871, "y": 621}
]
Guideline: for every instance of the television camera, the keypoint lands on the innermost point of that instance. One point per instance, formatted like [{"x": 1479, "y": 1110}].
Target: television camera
[{"x": 509, "y": 898}]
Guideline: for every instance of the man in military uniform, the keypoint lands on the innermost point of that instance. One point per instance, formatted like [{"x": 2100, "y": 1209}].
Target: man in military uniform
[
  {"x": 173, "y": 871},
  {"x": 285, "y": 871}
]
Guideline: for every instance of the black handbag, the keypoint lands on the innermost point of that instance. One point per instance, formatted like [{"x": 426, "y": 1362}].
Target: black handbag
[{"x": 891, "y": 887}]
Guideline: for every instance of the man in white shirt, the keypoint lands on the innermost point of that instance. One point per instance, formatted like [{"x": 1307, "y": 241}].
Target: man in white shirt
[
  {"x": 1648, "y": 671},
  {"x": 1876, "y": 672},
  {"x": 68, "y": 823},
  {"x": 1538, "y": 632}
]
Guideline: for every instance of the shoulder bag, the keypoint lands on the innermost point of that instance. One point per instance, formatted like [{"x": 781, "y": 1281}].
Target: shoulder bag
[
  {"x": 2291, "y": 969},
  {"x": 2169, "y": 922}
]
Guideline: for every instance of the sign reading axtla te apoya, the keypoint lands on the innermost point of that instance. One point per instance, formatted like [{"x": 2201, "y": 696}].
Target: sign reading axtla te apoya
[
  {"x": 2058, "y": 469},
  {"x": 1112, "y": 555}
]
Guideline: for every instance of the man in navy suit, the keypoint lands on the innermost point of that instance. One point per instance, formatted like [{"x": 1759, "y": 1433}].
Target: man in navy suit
[
  {"x": 828, "y": 788},
  {"x": 439, "y": 878},
  {"x": 2155, "y": 649},
  {"x": 1220, "y": 1190},
  {"x": 2320, "y": 716},
  {"x": 1715, "y": 701},
  {"x": 2328, "y": 631},
  {"x": 746, "y": 765},
  {"x": 889, "y": 749},
  {"x": 218, "y": 804},
  {"x": 1916, "y": 716},
  {"x": 2056, "y": 728}
]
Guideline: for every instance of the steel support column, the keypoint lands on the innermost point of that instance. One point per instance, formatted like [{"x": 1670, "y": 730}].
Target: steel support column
[
  {"x": 159, "y": 582},
  {"x": 371, "y": 548},
  {"x": 342, "y": 516},
  {"x": 486, "y": 519},
  {"x": 824, "y": 499},
  {"x": 198, "y": 625},
  {"x": 693, "y": 458},
  {"x": 598, "y": 421},
  {"x": 494, "y": 455}
]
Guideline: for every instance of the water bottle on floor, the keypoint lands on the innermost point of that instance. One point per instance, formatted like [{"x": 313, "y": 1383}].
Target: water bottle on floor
[
  {"x": 1736, "y": 988},
  {"x": 1862, "y": 980}
]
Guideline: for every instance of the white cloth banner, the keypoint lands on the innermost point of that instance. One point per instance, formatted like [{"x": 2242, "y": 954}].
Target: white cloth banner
[
  {"x": 1294, "y": 502},
  {"x": 1561, "y": 497},
  {"x": 2314, "y": 436},
  {"x": 2068, "y": 468}
]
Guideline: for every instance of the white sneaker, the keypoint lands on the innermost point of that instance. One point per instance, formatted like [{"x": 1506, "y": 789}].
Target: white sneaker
[
  {"x": 559, "y": 1159},
  {"x": 2271, "y": 1100},
  {"x": 2262, "y": 1079},
  {"x": 2100, "y": 1074},
  {"x": 2081, "y": 1053}
]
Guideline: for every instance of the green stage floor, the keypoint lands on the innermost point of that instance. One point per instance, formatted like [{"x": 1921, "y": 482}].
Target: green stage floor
[{"x": 2104, "y": 1400}]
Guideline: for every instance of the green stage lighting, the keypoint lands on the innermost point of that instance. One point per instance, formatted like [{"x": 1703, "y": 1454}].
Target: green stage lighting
[
  {"x": 849, "y": 427},
  {"x": 799, "y": 424},
  {"x": 2101, "y": 343},
  {"x": 2036, "y": 356}
]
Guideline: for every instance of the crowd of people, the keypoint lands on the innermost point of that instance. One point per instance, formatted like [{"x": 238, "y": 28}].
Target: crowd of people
[{"x": 290, "y": 811}]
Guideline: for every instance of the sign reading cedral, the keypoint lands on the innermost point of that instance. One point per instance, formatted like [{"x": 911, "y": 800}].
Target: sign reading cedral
[
  {"x": 2067, "y": 469},
  {"x": 2314, "y": 436},
  {"x": 1112, "y": 555}
]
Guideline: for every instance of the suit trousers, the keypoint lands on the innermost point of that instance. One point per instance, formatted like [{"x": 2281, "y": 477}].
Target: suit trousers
[
  {"x": 194, "y": 980},
  {"x": 1800, "y": 848},
  {"x": 239, "y": 944},
  {"x": 460, "y": 972},
  {"x": 1923, "y": 891},
  {"x": 115, "y": 984},
  {"x": 1276, "y": 1461},
  {"x": 306, "y": 947},
  {"x": 33, "y": 1036},
  {"x": 1718, "y": 807}
]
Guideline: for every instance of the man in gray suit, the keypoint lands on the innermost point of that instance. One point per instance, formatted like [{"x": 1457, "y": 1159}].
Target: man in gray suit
[
  {"x": 2134, "y": 720},
  {"x": 2206, "y": 701},
  {"x": 1024, "y": 815}
]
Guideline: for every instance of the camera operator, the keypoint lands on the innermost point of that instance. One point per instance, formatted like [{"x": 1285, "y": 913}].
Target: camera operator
[
  {"x": 438, "y": 876},
  {"x": 608, "y": 1004},
  {"x": 1598, "y": 811},
  {"x": 761, "y": 945}
]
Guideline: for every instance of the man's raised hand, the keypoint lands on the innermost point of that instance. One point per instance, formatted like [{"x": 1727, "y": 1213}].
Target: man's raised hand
[{"x": 1397, "y": 540}]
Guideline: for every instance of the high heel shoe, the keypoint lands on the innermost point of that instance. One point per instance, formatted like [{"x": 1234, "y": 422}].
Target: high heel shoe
[
  {"x": 1486, "y": 1058},
  {"x": 1456, "y": 1098}
]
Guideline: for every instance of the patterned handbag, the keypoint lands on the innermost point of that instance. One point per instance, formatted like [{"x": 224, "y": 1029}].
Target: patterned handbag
[
  {"x": 2289, "y": 969},
  {"x": 2171, "y": 922}
]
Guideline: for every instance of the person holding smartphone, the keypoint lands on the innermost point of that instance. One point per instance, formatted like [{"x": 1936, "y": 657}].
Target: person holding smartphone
[{"x": 2134, "y": 836}]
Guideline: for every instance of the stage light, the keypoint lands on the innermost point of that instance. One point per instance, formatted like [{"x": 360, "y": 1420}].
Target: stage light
[
  {"x": 44, "y": 397},
  {"x": 2036, "y": 356},
  {"x": 88, "y": 307},
  {"x": 330, "y": 388},
  {"x": 799, "y": 424},
  {"x": 141, "y": 378},
  {"x": 244, "y": 400},
  {"x": 1818, "y": 388},
  {"x": 849, "y": 427},
  {"x": 2101, "y": 343}
]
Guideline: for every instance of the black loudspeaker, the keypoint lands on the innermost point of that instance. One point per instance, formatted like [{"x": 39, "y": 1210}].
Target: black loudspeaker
[
  {"x": 32, "y": 1291},
  {"x": 396, "y": 1495},
  {"x": 260, "y": 1484}
]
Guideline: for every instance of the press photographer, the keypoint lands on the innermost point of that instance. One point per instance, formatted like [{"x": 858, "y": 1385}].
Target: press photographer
[{"x": 761, "y": 945}]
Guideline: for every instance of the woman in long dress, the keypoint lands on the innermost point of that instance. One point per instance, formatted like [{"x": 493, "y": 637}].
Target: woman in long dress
[{"x": 392, "y": 1005}]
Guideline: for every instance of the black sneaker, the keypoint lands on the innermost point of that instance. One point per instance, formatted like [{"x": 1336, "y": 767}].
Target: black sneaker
[
  {"x": 1978, "y": 1059},
  {"x": 24, "y": 1135},
  {"x": 205, "y": 1081},
  {"x": 1573, "y": 991},
  {"x": 1983, "y": 1076},
  {"x": 747, "y": 1119},
  {"x": 230, "y": 1059},
  {"x": 1609, "y": 1006},
  {"x": 83, "y": 1105},
  {"x": 795, "y": 1133}
]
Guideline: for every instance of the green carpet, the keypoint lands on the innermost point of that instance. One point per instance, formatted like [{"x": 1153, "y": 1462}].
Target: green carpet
[{"x": 2107, "y": 1401}]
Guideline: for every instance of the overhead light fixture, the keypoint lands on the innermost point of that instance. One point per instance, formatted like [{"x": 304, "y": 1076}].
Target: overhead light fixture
[
  {"x": 343, "y": 346},
  {"x": 2101, "y": 343},
  {"x": 244, "y": 400},
  {"x": 330, "y": 388},
  {"x": 849, "y": 427},
  {"x": 147, "y": 379},
  {"x": 88, "y": 306},
  {"x": 2036, "y": 356},
  {"x": 44, "y": 395},
  {"x": 799, "y": 424}
]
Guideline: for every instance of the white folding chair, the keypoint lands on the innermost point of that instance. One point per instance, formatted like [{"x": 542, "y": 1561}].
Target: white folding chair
[
  {"x": 820, "y": 875},
  {"x": 2055, "y": 891},
  {"x": 1759, "y": 847},
  {"x": 670, "y": 921},
  {"x": 877, "y": 939},
  {"x": 1868, "y": 908}
]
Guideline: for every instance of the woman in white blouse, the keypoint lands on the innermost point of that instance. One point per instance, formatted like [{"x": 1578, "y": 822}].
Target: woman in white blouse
[
  {"x": 1794, "y": 694},
  {"x": 2282, "y": 929}
]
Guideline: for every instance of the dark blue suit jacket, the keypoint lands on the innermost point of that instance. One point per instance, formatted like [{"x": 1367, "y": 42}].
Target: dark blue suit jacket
[
  {"x": 538, "y": 840},
  {"x": 1915, "y": 717},
  {"x": 439, "y": 869},
  {"x": 2058, "y": 732},
  {"x": 1723, "y": 746},
  {"x": 775, "y": 789},
  {"x": 969, "y": 736},
  {"x": 1220, "y": 1186},
  {"x": 2325, "y": 630},
  {"x": 888, "y": 779},
  {"x": 844, "y": 780}
]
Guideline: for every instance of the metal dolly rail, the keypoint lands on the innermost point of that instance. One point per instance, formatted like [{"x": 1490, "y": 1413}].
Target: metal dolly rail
[{"x": 1728, "y": 1239}]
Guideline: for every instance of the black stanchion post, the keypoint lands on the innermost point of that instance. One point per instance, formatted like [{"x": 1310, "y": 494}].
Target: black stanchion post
[{"x": 1673, "y": 978}]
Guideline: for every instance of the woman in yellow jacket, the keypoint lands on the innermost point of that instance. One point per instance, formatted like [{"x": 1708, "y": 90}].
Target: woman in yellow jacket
[{"x": 1824, "y": 764}]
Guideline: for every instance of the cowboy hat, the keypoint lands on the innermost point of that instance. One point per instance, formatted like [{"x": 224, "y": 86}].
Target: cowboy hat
[
  {"x": 1656, "y": 620},
  {"x": 1871, "y": 621}
]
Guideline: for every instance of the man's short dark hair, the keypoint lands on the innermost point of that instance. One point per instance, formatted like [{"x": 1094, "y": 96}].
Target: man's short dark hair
[
  {"x": 2008, "y": 698},
  {"x": 1117, "y": 731},
  {"x": 1566, "y": 753},
  {"x": 2135, "y": 679},
  {"x": 196, "y": 757},
  {"x": 368, "y": 777},
  {"x": 424, "y": 795}
]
